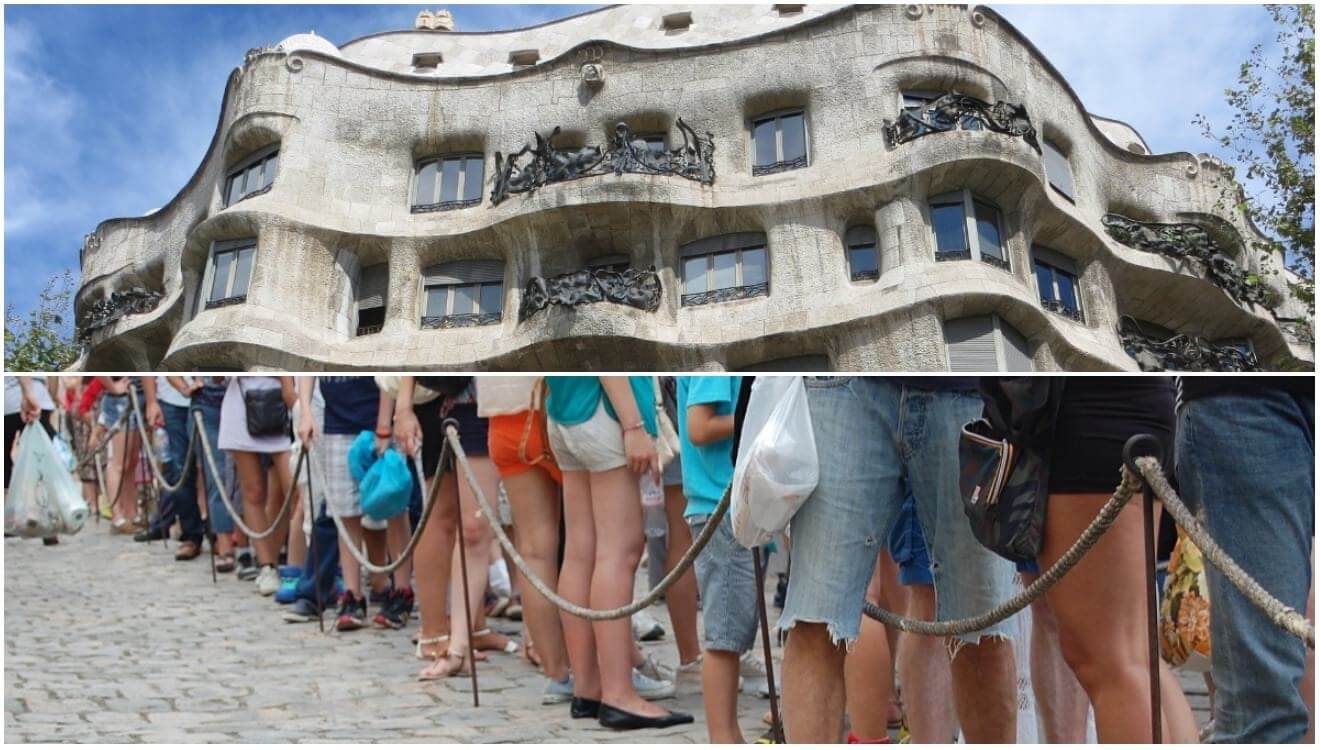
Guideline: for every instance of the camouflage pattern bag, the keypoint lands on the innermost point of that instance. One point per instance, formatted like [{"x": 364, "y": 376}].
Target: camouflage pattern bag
[{"x": 1004, "y": 465}]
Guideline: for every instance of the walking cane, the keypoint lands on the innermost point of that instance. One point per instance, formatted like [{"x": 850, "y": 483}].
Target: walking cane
[
  {"x": 447, "y": 458},
  {"x": 776, "y": 725},
  {"x": 1149, "y": 445}
]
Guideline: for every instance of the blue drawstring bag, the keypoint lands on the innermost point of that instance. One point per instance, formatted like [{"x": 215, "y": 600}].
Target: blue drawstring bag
[
  {"x": 387, "y": 487},
  {"x": 361, "y": 455}
]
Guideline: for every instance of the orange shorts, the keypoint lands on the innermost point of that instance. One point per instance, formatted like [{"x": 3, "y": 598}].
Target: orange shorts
[{"x": 508, "y": 451}]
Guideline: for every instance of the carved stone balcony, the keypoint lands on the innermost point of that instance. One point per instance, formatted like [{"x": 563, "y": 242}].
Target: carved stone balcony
[
  {"x": 135, "y": 301},
  {"x": 1182, "y": 352},
  {"x": 954, "y": 111},
  {"x": 1190, "y": 242},
  {"x": 628, "y": 286},
  {"x": 540, "y": 164}
]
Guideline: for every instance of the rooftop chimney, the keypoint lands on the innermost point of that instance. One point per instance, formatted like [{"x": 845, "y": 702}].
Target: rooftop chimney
[{"x": 440, "y": 20}]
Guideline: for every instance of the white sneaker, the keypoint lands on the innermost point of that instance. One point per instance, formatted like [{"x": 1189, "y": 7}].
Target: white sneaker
[
  {"x": 556, "y": 691},
  {"x": 268, "y": 581},
  {"x": 752, "y": 675},
  {"x": 652, "y": 689},
  {"x": 646, "y": 628},
  {"x": 690, "y": 671},
  {"x": 656, "y": 671}
]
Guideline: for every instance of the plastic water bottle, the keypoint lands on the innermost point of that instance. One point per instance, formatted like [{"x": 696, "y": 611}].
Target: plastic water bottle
[
  {"x": 653, "y": 494},
  {"x": 160, "y": 439}
]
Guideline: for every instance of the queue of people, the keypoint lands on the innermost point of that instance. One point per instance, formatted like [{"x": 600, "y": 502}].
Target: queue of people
[{"x": 595, "y": 473}]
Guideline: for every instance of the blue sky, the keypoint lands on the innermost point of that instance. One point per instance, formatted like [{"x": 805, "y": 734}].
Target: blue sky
[{"x": 109, "y": 109}]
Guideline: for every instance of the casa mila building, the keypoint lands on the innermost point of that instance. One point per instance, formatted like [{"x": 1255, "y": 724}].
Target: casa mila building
[{"x": 752, "y": 187}]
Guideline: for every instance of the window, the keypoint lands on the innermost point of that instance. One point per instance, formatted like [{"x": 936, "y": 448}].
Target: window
[
  {"x": 1056, "y": 278},
  {"x": 230, "y": 272},
  {"x": 1058, "y": 171},
  {"x": 676, "y": 21},
  {"x": 967, "y": 227},
  {"x": 729, "y": 267},
  {"x": 524, "y": 58},
  {"x": 251, "y": 177},
  {"x": 448, "y": 182},
  {"x": 985, "y": 344},
  {"x": 788, "y": 9},
  {"x": 373, "y": 287},
  {"x": 779, "y": 142},
  {"x": 617, "y": 263},
  {"x": 655, "y": 142},
  {"x": 463, "y": 293},
  {"x": 426, "y": 62},
  {"x": 863, "y": 257}
]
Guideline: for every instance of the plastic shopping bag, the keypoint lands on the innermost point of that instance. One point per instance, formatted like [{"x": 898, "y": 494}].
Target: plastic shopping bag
[
  {"x": 387, "y": 487},
  {"x": 65, "y": 452},
  {"x": 43, "y": 498},
  {"x": 777, "y": 466}
]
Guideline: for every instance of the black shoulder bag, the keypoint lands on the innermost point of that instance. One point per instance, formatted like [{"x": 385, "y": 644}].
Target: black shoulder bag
[{"x": 267, "y": 414}]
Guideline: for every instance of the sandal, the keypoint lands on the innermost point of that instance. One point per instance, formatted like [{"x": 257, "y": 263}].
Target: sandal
[
  {"x": 497, "y": 607},
  {"x": 423, "y": 652},
  {"x": 510, "y": 645},
  {"x": 224, "y": 563},
  {"x": 455, "y": 664},
  {"x": 515, "y": 610}
]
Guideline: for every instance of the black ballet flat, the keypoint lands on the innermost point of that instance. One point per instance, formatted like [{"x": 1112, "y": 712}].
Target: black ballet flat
[
  {"x": 584, "y": 708},
  {"x": 617, "y": 718}
]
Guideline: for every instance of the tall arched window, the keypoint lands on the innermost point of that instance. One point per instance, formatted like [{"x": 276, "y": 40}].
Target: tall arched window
[
  {"x": 968, "y": 227},
  {"x": 723, "y": 268}
]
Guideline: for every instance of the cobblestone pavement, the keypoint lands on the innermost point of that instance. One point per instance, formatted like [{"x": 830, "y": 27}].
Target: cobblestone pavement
[{"x": 107, "y": 640}]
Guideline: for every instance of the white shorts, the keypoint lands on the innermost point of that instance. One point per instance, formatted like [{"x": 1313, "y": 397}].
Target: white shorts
[{"x": 594, "y": 445}]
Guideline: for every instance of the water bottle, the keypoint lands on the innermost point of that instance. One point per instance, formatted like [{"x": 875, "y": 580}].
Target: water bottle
[
  {"x": 160, "y": 440},
  {"x": 653, "y": 495}
]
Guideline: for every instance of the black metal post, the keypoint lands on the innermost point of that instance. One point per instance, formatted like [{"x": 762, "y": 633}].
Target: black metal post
[
  {"x": 776, "y": 723},
  {"x": 447, "y": 461},
  {"x": 1149, "y": 445}
]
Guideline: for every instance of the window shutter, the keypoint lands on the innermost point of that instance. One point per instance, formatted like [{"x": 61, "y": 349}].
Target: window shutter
[
  {"x": 735, "y": 241},
  {"x": 860, "y": 235},
  {"x": 464, "y": 272},
  {"x": 1055, "y": 258},
  {"x": 1057, "y": 169},
  {"x": 971, "y": 345},
  {"x": 373, "y": 286},
  {"x": 1017, "y": 354}
]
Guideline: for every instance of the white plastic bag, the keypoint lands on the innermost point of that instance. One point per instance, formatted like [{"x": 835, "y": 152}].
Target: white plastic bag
[
  {"x": 43, "y": 498},
  {"x": 777, "y": 466},
  {"x": 65, "y": 452}
]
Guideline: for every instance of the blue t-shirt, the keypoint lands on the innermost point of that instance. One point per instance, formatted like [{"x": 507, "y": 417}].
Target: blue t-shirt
[
  {"x": 351, "y": 403},
  {"x": 573, "y": 399},
  {"x": 707, "y": 469}
]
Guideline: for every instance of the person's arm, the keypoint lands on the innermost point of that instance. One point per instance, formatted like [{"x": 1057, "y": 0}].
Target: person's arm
[
  {"x": 704, "y": 426},
  {"x": 154, "y": 415},
  {"x": 28, "y": 410},
  {"x": 306, "y": 425},
  {"x": 638, "y": 445},
  {"x": 112, "y": 386},
  {"x": 384, "y": 423},
  {"x": 186, "y": 386},
  {"x": 288, "y": 390},
  {"x": 407, "y": 430}
]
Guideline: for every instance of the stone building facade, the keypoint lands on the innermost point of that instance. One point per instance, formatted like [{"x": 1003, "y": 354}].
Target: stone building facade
[{"x": 684, "y": 188}]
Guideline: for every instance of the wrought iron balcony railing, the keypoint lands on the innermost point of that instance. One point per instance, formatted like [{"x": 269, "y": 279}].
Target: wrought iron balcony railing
[
  {"x": 464, "y": 320},
  {"x": 955, "y": 111},
  {"x": 727, "y": 294}
]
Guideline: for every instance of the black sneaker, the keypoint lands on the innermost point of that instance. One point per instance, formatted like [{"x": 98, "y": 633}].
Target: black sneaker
[
  {"x": 149, "y": 535},
  {"x": 396, "y": 610},
  {"x": 781, "y": 591},
  {"x": 379, "y": 597},
  {"x": 247, "y": 567},
  {"x": 302, "y": 610},
  {"x": 352, "y": 613}
]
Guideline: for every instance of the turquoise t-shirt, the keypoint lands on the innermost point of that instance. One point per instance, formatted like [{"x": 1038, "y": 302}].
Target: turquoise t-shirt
[
  {"x": 573, "y": 399},
  {"x": 707, "y": 469}
]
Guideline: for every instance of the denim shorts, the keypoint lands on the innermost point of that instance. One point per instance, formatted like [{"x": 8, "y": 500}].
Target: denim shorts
[
  {"x": 112, "y": 410},
  {"x": 873, "y": 437},
  {"x": 726, "y": 578}
]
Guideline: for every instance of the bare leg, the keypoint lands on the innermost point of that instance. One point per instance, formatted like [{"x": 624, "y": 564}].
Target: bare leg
[
  {"x": 575, "y": 583},
  {"x": 1061, "y": 702},
  {"x": 397, "y": 534},
  {"x": 252, "y": 483},
  {"x": 349, "y": 564},
  {"x": 377, "y": 551},
  {"x": 533, "y": 498},
  {"x": 813, "y": 685},
  {"x": 476, "y": 535},
  {"x": 923, "y": 668},
  {"x": 869, "y": 672},
  {"x": 432, "y": 563},
  {"x": 681, "y": 599},
  {"x": 274, "y": 502},
  {"x": 719, "y": 691}
]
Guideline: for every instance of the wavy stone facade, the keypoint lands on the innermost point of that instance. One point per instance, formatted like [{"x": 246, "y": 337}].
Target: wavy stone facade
[{"x": 352, "y": 127}]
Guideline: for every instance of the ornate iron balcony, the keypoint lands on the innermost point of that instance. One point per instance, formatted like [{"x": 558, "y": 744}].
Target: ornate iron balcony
[
  {"x": 464, "y": 320},
  {"x": 864, "y": 275},
  {"x": 1190, "y": 242},
  {"x": 1067, "y": 311},
  {"x": 368, "y": 330},
  {"x": 1182, "y": 352},
  {"x": 226, "y": 302},
  {"x": 999, "y": 263},
  {"x": 540, "y": 164},
  {"x": 779, "y": 166},
  {"x": 942, "y": 255},
  {"x": 445, "y": 205},
  {"x": 629, "y": 286},
  {"x": 134, "y": 301},
  {"x": 954, "y": 111},
  {"x": 727, "y": 294}
]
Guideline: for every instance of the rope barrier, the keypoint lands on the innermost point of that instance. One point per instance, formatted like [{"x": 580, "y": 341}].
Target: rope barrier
[
  {"x": 651, "y": 597},
  {"x": 105, "y": 443},
  {"x": 152, "y": 462},
  {"x": 207, "y": 453}
]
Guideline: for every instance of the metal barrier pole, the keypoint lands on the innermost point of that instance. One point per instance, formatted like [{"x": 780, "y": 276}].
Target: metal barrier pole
[
  {"x": 776, "y": 724},
  {"x": 462, "y": 564},
  {"x": 1149, "y": 445}
]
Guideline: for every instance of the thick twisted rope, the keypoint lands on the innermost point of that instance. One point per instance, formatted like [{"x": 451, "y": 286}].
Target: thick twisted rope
[
  {"x": 105, "y": 443},
  {"x": 252, "y": 534},
  {"x": 166, "y": 486},
  {"x": 651, "y": 597},
  {"x": 1287, "y": 618}
]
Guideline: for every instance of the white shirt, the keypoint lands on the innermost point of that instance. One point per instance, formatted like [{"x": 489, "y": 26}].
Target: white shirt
[
  {"x": 14, "y": 394},
  {"x": 168, "y": 394},
  {"x": 504, "y": 394}
]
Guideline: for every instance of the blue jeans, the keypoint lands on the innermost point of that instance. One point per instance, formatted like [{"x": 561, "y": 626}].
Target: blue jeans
[
  {"x": 873, "y": 436},
  {"x": 181, "y": 503},
  {"x": 1246, "y": 467},
  {"x": 322, "y": 560},
  {"x": 221, "y": 522}
]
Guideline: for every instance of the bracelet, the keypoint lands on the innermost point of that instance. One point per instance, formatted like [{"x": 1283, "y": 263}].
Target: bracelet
[
  {"x": 637, "y": 426},
  {"x": 384, "y": 434}
]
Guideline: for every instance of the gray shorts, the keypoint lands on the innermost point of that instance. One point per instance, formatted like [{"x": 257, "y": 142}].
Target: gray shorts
[
  {"x": 343, "y": 498},
  {"x": 726, "y": 578}
]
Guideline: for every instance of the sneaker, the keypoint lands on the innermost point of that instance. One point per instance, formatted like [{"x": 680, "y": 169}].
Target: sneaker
[
  {"x": 645, "y": 628},
  {"x": 288, "y": 590},
  {"x": 655, "y": 670},
  {"x": 396, "y": 610},
  {"x": 352, "y": 613},
  {"x": 751, "y": 671},
  {"x": 378, "y": 597},
  {"x": 247, "y": 567},
  {"x": 268, "y": 580},
  {"x": 556, "y": 691},
  {"x": 149, "y": 535},
  {"x": 689, "y": 671},
  {"x": 652, "y": 689},
  {"x": 303, "y": 610}
]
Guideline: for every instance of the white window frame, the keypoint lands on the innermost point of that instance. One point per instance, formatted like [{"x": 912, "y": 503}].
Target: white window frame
[
  {"x": 1001, "y": 345},
  {"x": 779, "y": 164},
  {"x": 263, "y": 156},
  {"x": 1058, "y": 263},
  {"x": 415, "y": 206},
  {"x": 451, "y": 296},
  {"x": 222, "y": 247},
  {"x": 973, "y": 238},
  {"x": 1070, "y": 193},
  {"x": 719, "y": 245}
]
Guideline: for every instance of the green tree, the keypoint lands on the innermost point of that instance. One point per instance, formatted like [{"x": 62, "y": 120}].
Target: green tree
[
  {"x": 42, "y": 341},
  {"x": 1272, "y": 140}
]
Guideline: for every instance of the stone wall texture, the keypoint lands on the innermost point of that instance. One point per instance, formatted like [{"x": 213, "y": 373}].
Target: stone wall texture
[{"x": 350, "y": 124}]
